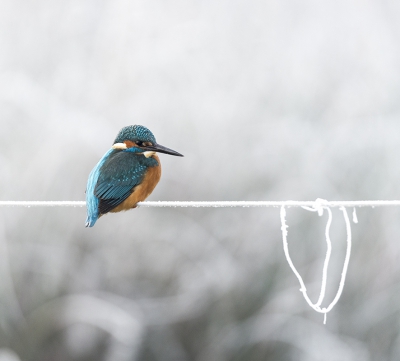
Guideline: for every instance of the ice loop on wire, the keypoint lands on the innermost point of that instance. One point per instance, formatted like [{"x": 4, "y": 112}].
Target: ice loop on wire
[{"x": 319, "y": 206}]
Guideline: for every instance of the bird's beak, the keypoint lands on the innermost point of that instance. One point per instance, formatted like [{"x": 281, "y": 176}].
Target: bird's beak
[{"x": 161, "y": 149}]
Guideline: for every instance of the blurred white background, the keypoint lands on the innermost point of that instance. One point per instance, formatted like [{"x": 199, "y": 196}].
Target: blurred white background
[{"x": 267, "y": 100}]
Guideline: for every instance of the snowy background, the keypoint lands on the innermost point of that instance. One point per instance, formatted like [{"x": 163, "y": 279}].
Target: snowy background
[{"x": 267, "y": 100}]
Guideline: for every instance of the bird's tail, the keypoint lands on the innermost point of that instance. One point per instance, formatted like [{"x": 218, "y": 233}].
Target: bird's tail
[{"x": 90, "y": 221}]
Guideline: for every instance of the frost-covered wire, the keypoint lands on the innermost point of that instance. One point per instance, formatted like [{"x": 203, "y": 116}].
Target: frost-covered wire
[
  {"x": 318, "y": 206},
  {"x": 210, "y": 204}
]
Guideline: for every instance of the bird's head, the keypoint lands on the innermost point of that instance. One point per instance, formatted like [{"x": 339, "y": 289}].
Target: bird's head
[{"x": 139, "y": 139}]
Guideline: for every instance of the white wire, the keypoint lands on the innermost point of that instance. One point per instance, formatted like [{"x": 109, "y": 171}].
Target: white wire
[
  {"x": 316, "y": 206},
  {"x": 211, "y": 204}
]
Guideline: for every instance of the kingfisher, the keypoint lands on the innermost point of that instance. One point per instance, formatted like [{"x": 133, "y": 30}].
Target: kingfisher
[{"x": 126, "y": 174}]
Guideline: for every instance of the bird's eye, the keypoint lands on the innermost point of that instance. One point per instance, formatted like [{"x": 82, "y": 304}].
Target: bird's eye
[{"x": 139, "y": 143}]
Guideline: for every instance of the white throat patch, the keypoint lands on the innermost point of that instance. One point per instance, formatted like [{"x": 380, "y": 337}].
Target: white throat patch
[{"x": 148, "y": 154}]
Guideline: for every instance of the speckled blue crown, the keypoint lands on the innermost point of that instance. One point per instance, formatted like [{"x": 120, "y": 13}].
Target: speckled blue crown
[{"x": 134, "y": 133}]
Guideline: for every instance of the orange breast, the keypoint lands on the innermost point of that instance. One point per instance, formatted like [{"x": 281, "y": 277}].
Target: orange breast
[{"x": 143, "y": 190}]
